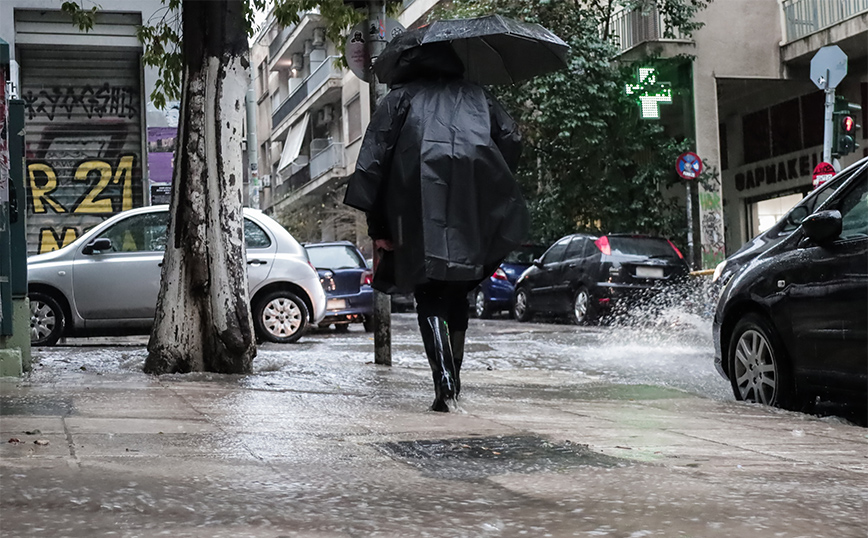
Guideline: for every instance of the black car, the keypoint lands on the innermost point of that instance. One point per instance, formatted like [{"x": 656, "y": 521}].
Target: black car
[
  {"x": 792, "y": 324},
  {"x": 583, "y": 275},
  {"x": 784, "y": 227},
  {"x": 346, "y": 279}
]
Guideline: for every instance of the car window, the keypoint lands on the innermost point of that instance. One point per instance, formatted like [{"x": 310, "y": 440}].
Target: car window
[
  {"x": 525, "y": 254},
  {"x": 255, "y": 236},
  {"x": 335, "y": 257},
  {"x": 854, "y": 211},
  {"x": 139, "y": 233},
  {"x": 576, "y": 248},
  {"x": 556, "y": 252},
  {"x": 652, "y": 247}
]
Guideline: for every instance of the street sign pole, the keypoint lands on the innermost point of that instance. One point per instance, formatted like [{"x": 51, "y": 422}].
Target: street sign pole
[
  {"x": 690, "y": 223},
  {"x": 382, "y": 301},
  {"x": 828, "y": 69},
  {"x": 827, "y": 120}
]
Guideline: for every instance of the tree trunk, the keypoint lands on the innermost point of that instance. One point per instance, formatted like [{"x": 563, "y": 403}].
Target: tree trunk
[{"x": 203, "y": 320}]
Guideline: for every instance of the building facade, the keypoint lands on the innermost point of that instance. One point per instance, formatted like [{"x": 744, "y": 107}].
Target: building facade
[{"x": 85, "y": 97}]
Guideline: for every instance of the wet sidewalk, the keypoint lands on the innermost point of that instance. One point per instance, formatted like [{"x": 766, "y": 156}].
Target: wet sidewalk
[{"x": 318, "y": 444}]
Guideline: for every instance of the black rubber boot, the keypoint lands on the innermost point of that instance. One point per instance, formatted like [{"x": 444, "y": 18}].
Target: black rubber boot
[
  {"x": 435, "y": 336},
  {"x": 457, "y": 340}
]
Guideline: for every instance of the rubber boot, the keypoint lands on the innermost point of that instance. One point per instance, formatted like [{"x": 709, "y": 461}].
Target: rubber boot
[
  {"x": 457, "y": 340},
  {"x": 435, "y": 336}
]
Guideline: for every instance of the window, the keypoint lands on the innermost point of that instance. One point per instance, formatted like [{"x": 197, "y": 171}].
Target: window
[
  {"x": 787, "y": 134},
  {"x": 525, "y": 254},
  {"x": 757, "y": 143},
  {"x": 813, "y": 119},
  {"x": 254, "y": 236},
  {"x": 140, "y": 233},
  {"x": 335, "y": 257},
  {"x": 576, "y": 248},
  {"x": 556, "y": 252},
  {"x": 354, "y": 119},
  {"x": 263, "y": 77},
  {"x": 854, "y": 211}
]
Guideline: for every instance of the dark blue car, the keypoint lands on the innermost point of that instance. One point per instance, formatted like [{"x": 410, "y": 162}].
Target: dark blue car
[
  {"x": 346, "y": 279},
  {"x": 495, "y": 293}
]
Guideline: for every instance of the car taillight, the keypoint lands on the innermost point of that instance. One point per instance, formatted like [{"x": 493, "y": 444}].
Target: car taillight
[
  {"x": 603, "y": 244},
  {"x": 671, "y": 244},
  {"x": 499, "y": 274},
  {"x": 367, "y": 278}
]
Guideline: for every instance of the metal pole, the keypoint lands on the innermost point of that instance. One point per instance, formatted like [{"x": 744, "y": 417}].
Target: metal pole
[
  {"x": 252, "y": 148},
  {"x": 690, "y": 225},
  {"x": 827, "y": 121},
  {"x": 382, "y": 301}
]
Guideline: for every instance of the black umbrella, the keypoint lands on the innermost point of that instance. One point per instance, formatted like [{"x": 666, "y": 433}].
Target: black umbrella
[{"x": 494, "y": 49}]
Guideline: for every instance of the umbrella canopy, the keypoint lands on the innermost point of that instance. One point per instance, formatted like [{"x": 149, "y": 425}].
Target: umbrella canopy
[{"x": 493, "y": 49}]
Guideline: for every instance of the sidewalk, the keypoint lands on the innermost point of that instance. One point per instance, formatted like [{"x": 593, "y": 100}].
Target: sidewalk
[{"x": 348, "y": 450}]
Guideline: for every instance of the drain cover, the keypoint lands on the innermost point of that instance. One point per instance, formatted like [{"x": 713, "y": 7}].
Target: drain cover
[{"x": 478, "y": 457}]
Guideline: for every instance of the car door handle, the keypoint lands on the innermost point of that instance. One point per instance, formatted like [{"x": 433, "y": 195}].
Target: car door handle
[
  {"x": 257, "y": 262},
  {"x": 573, "y": 265}
]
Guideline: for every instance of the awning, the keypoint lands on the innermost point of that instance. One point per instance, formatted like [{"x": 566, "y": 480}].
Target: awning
[{"x": 292, "y": 145}]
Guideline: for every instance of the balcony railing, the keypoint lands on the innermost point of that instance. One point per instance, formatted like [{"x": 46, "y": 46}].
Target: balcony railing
[
  {"x": 311, "y": 84},
  {"x": 630, "y": 28},
  {"x": 275, "y": 46},
  {"x": 329, "y": 158},
  {"x": 803, "y": 17}
]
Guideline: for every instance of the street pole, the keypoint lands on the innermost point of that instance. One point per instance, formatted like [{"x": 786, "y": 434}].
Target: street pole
[
  {"x": 827, "y": 120},
  {"x": 690, "y": 224},
  {"x": 382, "y": 301}
]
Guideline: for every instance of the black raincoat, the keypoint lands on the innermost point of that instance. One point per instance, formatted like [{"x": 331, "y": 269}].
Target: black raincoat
[{"x": 434, "y": 175}]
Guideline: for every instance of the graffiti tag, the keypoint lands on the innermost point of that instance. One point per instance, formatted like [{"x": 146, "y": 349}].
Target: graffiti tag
[{"x": 64, "y": 102}]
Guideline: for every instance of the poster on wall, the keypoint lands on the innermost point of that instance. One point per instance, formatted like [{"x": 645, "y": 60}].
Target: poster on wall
[{"x": 162, "y": 132}]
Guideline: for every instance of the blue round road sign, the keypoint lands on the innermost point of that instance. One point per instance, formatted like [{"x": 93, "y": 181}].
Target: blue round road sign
[{"x": 688, "y": 165}]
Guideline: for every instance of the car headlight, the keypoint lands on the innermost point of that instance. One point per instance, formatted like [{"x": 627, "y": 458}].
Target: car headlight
[{"x": 718, "y": 271}]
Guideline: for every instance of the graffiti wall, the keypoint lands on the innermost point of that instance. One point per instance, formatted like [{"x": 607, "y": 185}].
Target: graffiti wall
[{"x": 83, "y": 117}]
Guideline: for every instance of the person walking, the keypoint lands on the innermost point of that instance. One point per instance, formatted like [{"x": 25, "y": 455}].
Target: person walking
[{"x": 435, "y": 178}]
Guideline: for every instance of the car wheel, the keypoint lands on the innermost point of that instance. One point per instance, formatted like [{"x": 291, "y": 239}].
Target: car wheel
[
  {"x": 369, "y": 324},
  {"x": 281, "y": 317},
  {"x": 758, "y": 368},
  {"x": 342, "y": 327},
  {"x": 482, "y": 308},
  {"x": 582, "y": 313},
  {"x": 521, "y": 310},
  {"x": 47, "y": 320}
]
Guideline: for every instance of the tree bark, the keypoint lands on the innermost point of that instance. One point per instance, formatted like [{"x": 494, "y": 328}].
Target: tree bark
[{"x": 203, "y": 320}]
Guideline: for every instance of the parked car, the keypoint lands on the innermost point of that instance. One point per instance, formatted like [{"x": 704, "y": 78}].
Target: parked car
[
  {"x": 346, "y": 280},
  {"x": 583, "y": 275},
  {"x": 784, "y": 227},
  {"x": 792, "y": 324},
  {"x": 494, "y": 294},
  {"x": 107, "y": 281}
]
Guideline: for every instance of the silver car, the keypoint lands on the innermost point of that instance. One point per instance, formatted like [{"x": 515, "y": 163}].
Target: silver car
[{"x": 107, "y": 280}]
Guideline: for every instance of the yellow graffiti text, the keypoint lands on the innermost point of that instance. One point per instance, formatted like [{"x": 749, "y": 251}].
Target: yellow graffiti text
[
  {"x": 49, "y": 240},
  {"x": 41, "y": 195}
]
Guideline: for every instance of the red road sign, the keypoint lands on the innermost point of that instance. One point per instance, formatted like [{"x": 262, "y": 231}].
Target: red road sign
[
  {"x": 688, "y": 165},
  {"x": 823, "y": 173}
]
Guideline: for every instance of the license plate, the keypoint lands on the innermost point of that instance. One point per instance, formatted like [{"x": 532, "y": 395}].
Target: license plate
[
  {"x": 649, "y": 272},
  {"x": 336, "y": 304}
]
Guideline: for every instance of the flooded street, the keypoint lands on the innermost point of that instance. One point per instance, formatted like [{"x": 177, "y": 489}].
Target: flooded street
[{"x": 561, "y": 431}]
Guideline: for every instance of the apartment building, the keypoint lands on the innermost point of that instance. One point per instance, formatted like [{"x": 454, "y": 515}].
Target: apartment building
[
  {"x": 747, "y": 100},
  {"x": 311, "y": 116}
]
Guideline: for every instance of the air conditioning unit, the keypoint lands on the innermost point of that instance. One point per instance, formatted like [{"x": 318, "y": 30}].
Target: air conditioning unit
[
  {"x": 318, "y": 37},
  {"x": 326, "y": 115}
]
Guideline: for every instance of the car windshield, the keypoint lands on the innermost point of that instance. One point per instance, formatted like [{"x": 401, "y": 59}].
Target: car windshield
[
  {"x": 650, "y": 247},
  {"x": 335, "y": 257},
  {"x": 525, "y": 254}
]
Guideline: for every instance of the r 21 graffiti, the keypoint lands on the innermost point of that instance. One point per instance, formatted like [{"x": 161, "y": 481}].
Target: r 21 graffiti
[{"x": 44, "y": 185}]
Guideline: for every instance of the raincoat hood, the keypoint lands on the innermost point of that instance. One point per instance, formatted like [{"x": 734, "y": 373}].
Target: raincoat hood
[{"x": 432, "y": 61}]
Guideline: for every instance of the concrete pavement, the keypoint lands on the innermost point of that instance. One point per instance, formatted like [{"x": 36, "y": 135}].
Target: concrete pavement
[{"x": 334, "y": 446}]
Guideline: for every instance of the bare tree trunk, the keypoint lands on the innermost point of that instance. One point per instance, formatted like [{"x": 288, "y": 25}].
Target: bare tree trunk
[{"x": 203, "y": 320}]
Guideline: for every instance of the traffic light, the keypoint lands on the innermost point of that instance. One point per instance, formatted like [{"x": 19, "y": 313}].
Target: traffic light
[{"x": 845, "y": 127}]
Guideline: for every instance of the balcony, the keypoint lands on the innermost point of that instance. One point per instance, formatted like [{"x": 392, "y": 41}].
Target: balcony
[
  {"x": 326, "y": 163},
  {"x": 322, "y": 74},
  {"x": 275, "y": 46},
  {"x": 631, "y": 28},
  {"x": 804, "y": 17},
  {"x": 326, "y": 159}
]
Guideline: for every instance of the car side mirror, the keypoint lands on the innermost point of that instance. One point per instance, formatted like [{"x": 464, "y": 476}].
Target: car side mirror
[
  {"x": 537, "y": 262},
  {"x": 823, "y": 226},
  {"x": 103, "y": 243},
  {"x": 797, "y": 215}
]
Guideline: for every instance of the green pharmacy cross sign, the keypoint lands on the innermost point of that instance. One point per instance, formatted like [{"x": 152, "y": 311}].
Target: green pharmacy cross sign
[{"x": 651, "y": 93}]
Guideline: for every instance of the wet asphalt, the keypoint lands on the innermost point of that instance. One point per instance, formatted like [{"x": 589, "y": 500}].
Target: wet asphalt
[{"x": 561, "y": 431}]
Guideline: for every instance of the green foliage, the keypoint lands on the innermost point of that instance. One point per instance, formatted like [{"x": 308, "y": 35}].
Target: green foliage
[{"x": 590, "y": 163}]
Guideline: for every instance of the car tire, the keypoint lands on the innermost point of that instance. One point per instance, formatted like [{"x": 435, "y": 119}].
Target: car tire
[
  {"x": 582, "y": 312},
  {"x": 368, "y": 323},
  {"x": 520, "y": 309},
  {"x": 759, "y": 371},
  {"x": 342, "y": 327},
  {"x": 47, "y": 320},
  {"x": 280, "y": 317},
  {"x": 481, "y": 307}
]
